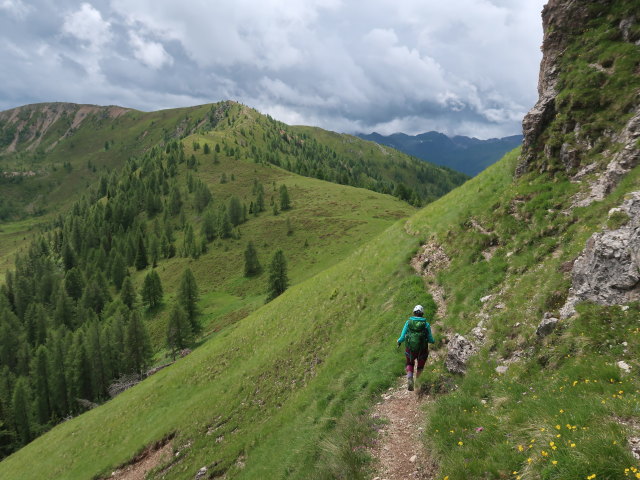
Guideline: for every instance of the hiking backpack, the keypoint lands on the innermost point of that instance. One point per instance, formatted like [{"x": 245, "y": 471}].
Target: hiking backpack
[{"x": 416, "y": 336}]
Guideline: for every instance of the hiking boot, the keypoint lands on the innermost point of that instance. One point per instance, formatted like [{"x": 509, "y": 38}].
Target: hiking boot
[{"x": 410, "y": 384}]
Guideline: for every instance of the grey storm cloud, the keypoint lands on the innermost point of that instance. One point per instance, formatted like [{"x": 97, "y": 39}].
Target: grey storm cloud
[{"x": 461, "y": 67}]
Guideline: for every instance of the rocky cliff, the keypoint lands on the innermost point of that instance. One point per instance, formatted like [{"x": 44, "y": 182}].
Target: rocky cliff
[
  {"x": 586, "y": 125},
  {"x": 587, "y": 118}
]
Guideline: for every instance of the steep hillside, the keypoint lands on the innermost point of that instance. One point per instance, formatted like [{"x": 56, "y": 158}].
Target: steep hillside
[{"x": 464, "y": 154}]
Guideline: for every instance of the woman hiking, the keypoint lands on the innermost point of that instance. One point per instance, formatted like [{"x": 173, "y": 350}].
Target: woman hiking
[{"x": 417, "y": 336}]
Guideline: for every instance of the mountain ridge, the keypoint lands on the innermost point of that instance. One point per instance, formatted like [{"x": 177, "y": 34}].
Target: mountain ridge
[{"x": 468, "y": 155}]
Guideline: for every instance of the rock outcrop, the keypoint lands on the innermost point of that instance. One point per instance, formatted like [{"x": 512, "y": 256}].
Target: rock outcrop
[
  {"x": 459, "y": 351},
  {"x": 564, "y": 23},
  {"x": 607, "y": 272},
  {"x": 546, "y": 326},
  {"x": 621, "y": 163},
  {"x": 561, "y": 19}
]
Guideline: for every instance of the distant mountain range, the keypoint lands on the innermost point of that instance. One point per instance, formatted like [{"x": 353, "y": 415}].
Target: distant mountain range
[{"x": 464, "y": 154}]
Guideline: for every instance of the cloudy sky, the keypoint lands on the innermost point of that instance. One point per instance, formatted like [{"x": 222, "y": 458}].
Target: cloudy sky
[{"x": 465, "y": 67}]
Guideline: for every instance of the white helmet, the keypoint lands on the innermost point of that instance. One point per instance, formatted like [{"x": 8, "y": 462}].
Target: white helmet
[{"x": 418, "y": 309}]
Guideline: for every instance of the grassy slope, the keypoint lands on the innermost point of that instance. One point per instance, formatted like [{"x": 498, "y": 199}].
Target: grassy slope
[
  {"x": 566, "y": 392},
  {"x": 328, "y": 222}
]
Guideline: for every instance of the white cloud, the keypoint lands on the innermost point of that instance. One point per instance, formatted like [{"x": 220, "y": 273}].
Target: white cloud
[
  {"x": 359, "y": 65},
  {"x": 152, "y": 54},
  {"x": 17, "y": 8},
  {"x": 87, "y": 25}
]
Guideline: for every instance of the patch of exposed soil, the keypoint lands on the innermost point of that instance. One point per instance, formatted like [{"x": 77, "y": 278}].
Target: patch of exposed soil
[
  {"x": 399, "y": 450},
  {"x": 151, "y": 458}
]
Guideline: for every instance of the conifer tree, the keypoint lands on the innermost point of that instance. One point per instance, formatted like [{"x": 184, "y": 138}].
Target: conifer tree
[
  {"x": 188, "y": 296},
  {"x": 178, "y": 330},
  {"x": 80, "y": 374},
  {"x": 278, "y": 280},
  {"x": 118, "y": 270},
  {"x": 20, "y": 404},
  {"x": 137, "y": 344},
  {"x": 57, "y": 379},
  {"x": 152, "y": 289},
  {"x": 259, "y": 205},
  {"x": 73, "y": 283},
  {"x": 251, "y": 262},
  {"x": 128, "y": 293},
  {"x": 189, "y": 246},
  {"x": 64, "y": 313},
  {"x": 94, "y": 355},
  {"x": 235, "y": 211},
  {"x": 285, "y": 201},
  {"x": 209, "y": 225},
  {"x": 116, "y": 332},
  {"x": 40, "y": 375},
  {"x": 224, "y": 226},
  {"x": 175, "y": 200},
  {"x": 154, "y": 250},
  {"x": 30, "y": 323},
  {"x": 141, "y": 260}
]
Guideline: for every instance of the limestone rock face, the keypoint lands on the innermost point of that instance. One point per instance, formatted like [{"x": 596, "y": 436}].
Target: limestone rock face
[
  {"x": 460, "y": 349},
  {"x": 561, "y": 19},
  {"x": 607, "y": 272},
  {"x": 621, "y": 163}
]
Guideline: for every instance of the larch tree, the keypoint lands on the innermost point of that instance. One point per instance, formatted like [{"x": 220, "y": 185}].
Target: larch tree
[
  {"x": 179, "y": 331},
  {"x": 251, "y": 263},
  {"x": 137, "y": 344},
  {"x": 278, "y": 279},
  {"x": 152, "y": 289},
  {"x": 188, "y": 296}
]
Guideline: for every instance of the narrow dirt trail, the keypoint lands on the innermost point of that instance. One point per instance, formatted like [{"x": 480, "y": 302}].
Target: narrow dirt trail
[{"x": 400, "y": 451}]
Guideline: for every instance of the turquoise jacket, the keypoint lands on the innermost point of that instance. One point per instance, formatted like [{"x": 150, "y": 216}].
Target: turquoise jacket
[{"x": 406, "y": 327}]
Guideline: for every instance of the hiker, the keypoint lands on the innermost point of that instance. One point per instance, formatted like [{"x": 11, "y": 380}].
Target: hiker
[{"x": 417, "y": 336}]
